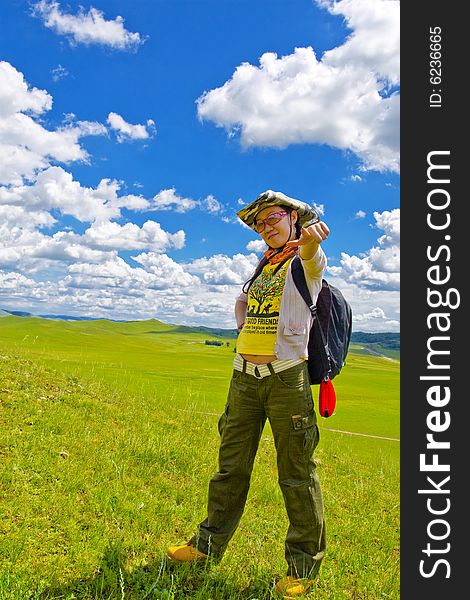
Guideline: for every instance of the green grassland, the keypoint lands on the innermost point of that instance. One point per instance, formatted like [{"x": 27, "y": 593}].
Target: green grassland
[{"x": 108, "y": 436}]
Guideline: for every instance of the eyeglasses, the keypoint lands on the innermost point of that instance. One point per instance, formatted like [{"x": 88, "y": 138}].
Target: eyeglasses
[{"x": 271, "y": 220}]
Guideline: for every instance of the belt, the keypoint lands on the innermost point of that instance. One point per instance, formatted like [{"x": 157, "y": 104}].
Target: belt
[{"x": 264, "y": 370}]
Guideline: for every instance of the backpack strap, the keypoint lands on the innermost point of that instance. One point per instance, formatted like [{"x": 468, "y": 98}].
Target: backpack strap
[{"x": 298, "y": 276}]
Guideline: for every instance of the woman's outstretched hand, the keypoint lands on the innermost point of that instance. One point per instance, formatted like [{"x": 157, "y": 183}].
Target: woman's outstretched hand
[{"x": 310, "y": 238}]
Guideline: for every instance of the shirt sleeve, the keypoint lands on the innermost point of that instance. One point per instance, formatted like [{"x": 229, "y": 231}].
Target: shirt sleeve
[{"x": 315, "y": 267}]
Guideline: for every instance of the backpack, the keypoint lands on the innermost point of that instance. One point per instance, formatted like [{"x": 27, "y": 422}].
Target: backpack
[{"x": 330, "y": 334}]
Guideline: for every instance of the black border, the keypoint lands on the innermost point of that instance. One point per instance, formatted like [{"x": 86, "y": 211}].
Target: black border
[{"x": 425, "y": 129}]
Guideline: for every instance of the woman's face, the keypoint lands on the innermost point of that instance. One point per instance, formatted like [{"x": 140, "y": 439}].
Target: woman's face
[{"x": 276, "y": 234}]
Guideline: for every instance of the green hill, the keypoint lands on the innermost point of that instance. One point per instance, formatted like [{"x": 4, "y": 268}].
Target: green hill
[{"x": 386, "y": 340}]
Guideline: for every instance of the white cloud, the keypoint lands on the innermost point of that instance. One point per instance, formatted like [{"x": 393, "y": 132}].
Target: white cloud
[
  {"x": 55, "y": 188},
  {"x": 169, "y": 200},
  {"x": 19, "y": 216},
  {"x": 379, "y": 268},
  {"x": 26, "y": 146},
  {"x": 111, "y": 288},
  {"x": 374, "y": 41},
  {"x": 17, "y": 96},
  {"x": 130, "y": 236},
  {"x": 212, "y": 205},
  {"x": 25, "y": 249},
  {"x": 256, "y": 246},
  {"x": 340, "y": 100},
  {"x": 88, "y": 277},
  {"x": 166, "y": 271},
  {"x": 159, "y": 273},
  {"x": 13, "y": 282},
  {"x": 223, "y": 270},
  {"x": 87, "y": 27},
  {"x": 59, "y": 73},
  {"x": 376, "y": 313},
  {"x": 126, "y": 131},
  {"x": 360, "y": 214},
  {"x": 25, "y": 210}
]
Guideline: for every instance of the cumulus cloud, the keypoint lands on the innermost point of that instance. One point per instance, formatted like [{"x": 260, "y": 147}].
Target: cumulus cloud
[
  {"x": 55, "y": 189},
  {"x": 224, "y": 270},
  {"x": 13, "y": 283},
  {"x": 341, "y": 100},
  {"x": 168, "y": 199},
  {"x": 112, "y": 288},
  {"x": 87, "y": 27},
  {"x": 26, "y": 146},
  {"x": 61, "y": 241},
  {"x": 376, "y": 313},
  {"x": 166, "y": 271},
  {"x": 17, "y": 96},
  {"x": 374, "y": 41},
  {"x": 159, "y": 272},
  {"x": 19, "y": 216},
  {"x": 26, "y": 211},
  {"x": 256, "y": 246},
  {"x": 125, "y": 131},
  {"x": 379, "y": 268},
  {"x": 130, "y": 236}
]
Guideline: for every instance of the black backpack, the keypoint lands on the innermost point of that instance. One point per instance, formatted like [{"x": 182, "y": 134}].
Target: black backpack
[{"x": 330, "y": 334}]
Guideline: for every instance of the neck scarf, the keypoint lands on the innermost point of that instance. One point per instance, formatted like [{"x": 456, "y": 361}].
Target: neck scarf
[{"x": 278, "y": 255}]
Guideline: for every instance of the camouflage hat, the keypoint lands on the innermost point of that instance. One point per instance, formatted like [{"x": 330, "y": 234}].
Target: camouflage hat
[{"x": 307, "y": 214}]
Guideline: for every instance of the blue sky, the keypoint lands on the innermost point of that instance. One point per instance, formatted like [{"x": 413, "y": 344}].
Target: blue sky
[{"x": 132, "y": 132}]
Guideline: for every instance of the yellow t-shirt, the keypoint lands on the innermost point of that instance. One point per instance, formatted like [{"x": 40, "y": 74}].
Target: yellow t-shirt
[{"x": 259, "y": 332}]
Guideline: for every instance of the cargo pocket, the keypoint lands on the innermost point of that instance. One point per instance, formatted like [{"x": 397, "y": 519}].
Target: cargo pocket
[{"x": 303, "y": 437}]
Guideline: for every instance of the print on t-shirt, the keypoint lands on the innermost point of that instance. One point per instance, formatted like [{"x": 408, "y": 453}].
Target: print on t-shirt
[
  {"x": 265, "y": 294},
  {"x": 258, "y": 335}
]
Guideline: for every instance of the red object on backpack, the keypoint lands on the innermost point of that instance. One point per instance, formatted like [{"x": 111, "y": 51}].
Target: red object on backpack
[{"x": 327, "y": 398}]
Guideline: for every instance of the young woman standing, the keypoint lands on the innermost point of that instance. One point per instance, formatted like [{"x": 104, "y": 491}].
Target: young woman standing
[{"x": 270, "y": 381}]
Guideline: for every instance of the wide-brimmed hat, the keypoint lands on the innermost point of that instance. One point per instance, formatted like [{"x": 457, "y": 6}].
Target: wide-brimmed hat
[{"x": 307, "y": 214}]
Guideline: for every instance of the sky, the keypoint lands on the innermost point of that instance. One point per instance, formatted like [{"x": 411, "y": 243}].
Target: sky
[{"x": 132, "y": 132}]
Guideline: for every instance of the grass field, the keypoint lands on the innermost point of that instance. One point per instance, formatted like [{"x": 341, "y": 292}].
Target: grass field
[{"x": 108, "y": 438}]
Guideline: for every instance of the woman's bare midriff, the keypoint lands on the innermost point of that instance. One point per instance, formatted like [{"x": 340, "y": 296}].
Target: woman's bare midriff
[{"x": 259, "y": 359}]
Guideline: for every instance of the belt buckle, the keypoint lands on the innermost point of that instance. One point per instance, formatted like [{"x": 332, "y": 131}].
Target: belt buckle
[{"x": 257, "y": 376}]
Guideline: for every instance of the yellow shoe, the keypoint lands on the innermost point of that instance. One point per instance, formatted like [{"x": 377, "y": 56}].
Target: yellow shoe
[
  {"x": 185, "y": 553},
  {"x": 291, "y": 587}
]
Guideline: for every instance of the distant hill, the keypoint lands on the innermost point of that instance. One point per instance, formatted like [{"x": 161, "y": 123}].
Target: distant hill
[
  {"x": 387, "y": 340},
  {"x": 377, "y": 341},
  {"x": 231, "y": 333},
  {"x": 22, "y": 313}
]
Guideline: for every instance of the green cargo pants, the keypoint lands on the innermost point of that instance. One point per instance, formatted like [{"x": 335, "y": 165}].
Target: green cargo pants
[{"x": 284, "y": 398}]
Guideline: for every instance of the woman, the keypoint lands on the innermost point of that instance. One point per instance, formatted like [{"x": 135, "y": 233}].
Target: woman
[{"x": 270, "y": 381}]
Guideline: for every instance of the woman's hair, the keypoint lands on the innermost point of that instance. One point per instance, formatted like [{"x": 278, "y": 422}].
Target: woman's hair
[{"x": 263, "y": 262}]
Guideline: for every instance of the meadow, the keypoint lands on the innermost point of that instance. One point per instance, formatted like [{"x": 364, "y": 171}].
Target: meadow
[{"x": 108, "y": 437}]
